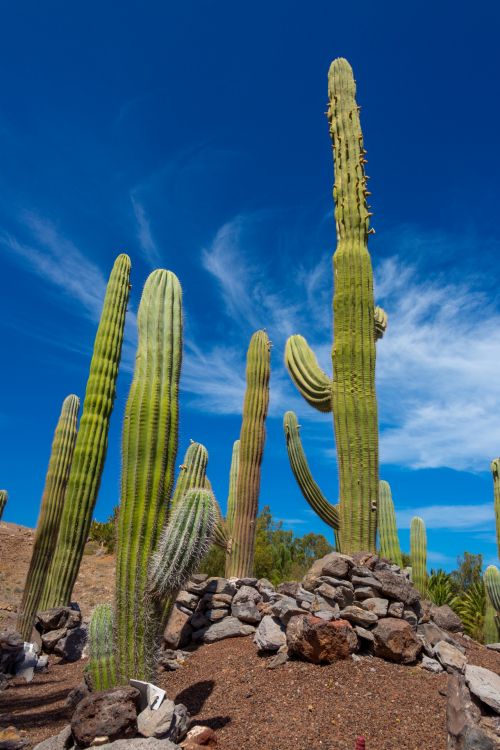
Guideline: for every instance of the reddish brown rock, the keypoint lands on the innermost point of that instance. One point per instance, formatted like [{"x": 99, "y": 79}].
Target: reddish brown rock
[
  {"x": 396, "y": 641},
  {"x": 319, "y": 641},
  {"x": 110, "y": 713}
]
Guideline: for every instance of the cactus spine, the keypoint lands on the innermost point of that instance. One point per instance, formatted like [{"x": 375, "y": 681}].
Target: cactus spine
[
  {"x": 351, "y": 394},
  {"x": 252, "y": 437},
  {"x": 492, "y": 615},
  {"x": 387, "y": 527},
  {"x": 495, "y": 470},
  {"x": 193, "y": 471},
  {"x": 102, "y": 662},
  {"x": 51, "y": 508},
  {"x": 149, "y": 447},
  {"x": 3, "y": 501},
  {"x": 91, "y": 443},
  {"x": 233, "y": 481},
  {"x": 418, "y": 553}
]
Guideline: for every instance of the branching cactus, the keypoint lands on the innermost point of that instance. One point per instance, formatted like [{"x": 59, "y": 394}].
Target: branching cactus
[
  {"x": 51, "y": 508},
  {"x": 418, "y": 553},
  {"x": 102, "y": 659},
  {"x": 387, "y": 527},
  {"x": 91, "y": 443},
  {"x": 495, "y": 470},
  {"x": 357, "y": 324},
  {"x": 239, "y": 561},
  {"x": 3, "y": 501}
]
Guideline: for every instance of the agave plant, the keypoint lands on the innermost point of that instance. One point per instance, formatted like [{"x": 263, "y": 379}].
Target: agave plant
[
  {"x": 470, "y": 607},
  {"x": 440, "y": 588}
]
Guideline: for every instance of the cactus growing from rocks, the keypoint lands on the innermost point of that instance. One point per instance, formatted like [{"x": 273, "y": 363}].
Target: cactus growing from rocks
[
  {"x": 51, "y": 508},
  {"x": 495, "y": 470},
  {"x": 102, "y": 660},
  {"x": 91, "y": 443},
  {"x": 351, "y": 394},
  {"x": 239, "y": 561},
  {"x": 3, "y": 501},
  {"x": 387, "y": 527},
  {"x": 418, "y": 554}
]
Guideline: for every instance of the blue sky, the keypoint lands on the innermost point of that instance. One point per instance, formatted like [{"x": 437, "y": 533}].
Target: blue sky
[{"x": 192, "y": 136}]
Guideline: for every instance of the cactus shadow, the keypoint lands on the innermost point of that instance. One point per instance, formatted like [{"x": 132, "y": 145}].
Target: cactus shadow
[{"x": 195, "y": 696}]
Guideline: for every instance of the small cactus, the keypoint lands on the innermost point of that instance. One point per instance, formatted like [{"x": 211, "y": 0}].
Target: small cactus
[
  {"x": 418, "y": 554},
  {"x": 193, "y": 471},
  {"x": 4, "y": 496},
  {"x": 387, "y": 527},
  {"x": 102, "y": 660}
]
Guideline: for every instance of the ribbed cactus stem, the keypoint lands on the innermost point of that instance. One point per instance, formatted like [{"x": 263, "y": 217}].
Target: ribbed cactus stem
[
  {"x": 490, "y": 627},
  {"x": 102, "y": 659},
  {"x": 149, "y": 447},
  {"x": 298, "y": 461},
  {"x": 4, "y": 496},
  {"x": 492, "y": 583},
  {"x": 387, "y": 527},
  {"x": 252, "y": 437},
  {"x": 51, "y": 509},
  {"x": 193, "y": 471},
  {"x": 233, "y": 481},
  {"x": 418, "y": 553},
  {"x": 495, "y": 470},
  {"x": 91, "y": 443}
]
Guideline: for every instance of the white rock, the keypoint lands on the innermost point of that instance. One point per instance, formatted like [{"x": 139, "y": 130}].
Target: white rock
[
  {"x": 485, "y": 685},
  {"x": 431, "y": 665},
  {"x": 449, "y": 656}
]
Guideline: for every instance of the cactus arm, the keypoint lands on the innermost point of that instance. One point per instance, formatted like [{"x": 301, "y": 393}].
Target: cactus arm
[
  {"x": 495, "y": 470},
  {"x": 192, "y": 471},
  {"x": 233, "y": 480},
  {"x": 380, "y": 317},
  {"x": 310, "y": 380},
  {"x": 4, "y": 496},
  {"x": 51, "y": 508},
  {"x": 149, "y": 446},
  {"x": 354, "y": 402},
  {"x": 418, "y": 553},
  {"x": 102, "y": 659},
  {"x": 492, "y": 583},
  {"x": 387, "y": 527},
  {"x": 298, "y": 462},
  {"x": 252, "y": 438},
  {"x": 91, "y": 443}
]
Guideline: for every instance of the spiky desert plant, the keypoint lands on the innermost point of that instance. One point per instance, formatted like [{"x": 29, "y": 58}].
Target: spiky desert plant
[
  {"x": 51, "y": 509},
  {"x": 470, "y": 607},
  {"x": 440, "y": 588},
  {"x": 495, "y": 470},
  {"x": 193, "y": 471},
  {"x": 351, "y": 394},
  {"x": 239, "y": 561},
  {"x": 387, "y": 526},
  {"x": 418, "y": 553},
  {"x": 233, "y": 481},
  {"x": 326, "y": 511},
  {"x": 4, "y": 496},
  {"x": 492, "y": 616},
  {"x": 91, "y": 443},
  {"x": 101, "y": 666},
  {"x": 149, "y": 448}
]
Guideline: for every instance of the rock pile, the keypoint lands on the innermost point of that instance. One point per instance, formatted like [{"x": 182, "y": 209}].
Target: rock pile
[
  {"x": 62, "y": 632},
  {"x": 473, "y": 708}
]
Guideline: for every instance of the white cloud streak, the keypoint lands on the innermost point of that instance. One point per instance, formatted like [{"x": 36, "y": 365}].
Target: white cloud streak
[
  {"x": 456, "y": 517},
  {"x": 144, "y": 233}
]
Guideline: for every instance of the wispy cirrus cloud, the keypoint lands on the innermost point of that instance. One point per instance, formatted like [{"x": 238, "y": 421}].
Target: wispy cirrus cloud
[
  {"x": 144, "y": 232},
  {"x": 457, "y": 517}
]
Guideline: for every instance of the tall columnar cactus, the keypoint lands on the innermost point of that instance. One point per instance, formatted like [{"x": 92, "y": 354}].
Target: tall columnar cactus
[
  {"x": 233, "y": 482},
  {"x": 91, "y": 443},
  {"x": 252, "y": 437},
  {"x": 418, "y": 553},
  {"x": 387, "y": 527},
  {"x": 101, "y": 666},
  {"x": 51, "y": 509},
  {"x": 495, "y": 470},
  {"x": 492, "y": 615},
  {"x": 492, "y": 583},
  {"x": 193, "y": 471},
  {"x": 357, "y": 324},
  {"x": 149, "y": 448},
  {"x": 3, "y": 501}
]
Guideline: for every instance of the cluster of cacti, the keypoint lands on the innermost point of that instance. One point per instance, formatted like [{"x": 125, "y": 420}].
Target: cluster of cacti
[
  {"x": 3, "y": 501},
  {"x": 239, "y": 561},
  {"x": 91, "y": 443},
  {"x": 418, "y": 554},
  {"x": 51, "y": 509},
  {"x": 350, "y": 395},
  {"x": 492, "y": 614},
  {"x": 101, "y": 665},
  {"x": 387, "y": 527}
]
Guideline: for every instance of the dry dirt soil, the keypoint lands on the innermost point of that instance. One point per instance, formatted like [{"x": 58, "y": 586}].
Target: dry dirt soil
[{"x": 227, "y": 686}]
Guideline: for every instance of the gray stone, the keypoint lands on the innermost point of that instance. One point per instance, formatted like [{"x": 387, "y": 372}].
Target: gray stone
[
  {"x": 264, "y": 585},
  {"x": 396, "y": 609},
  {"x": 342, "y": 595},
  {"x": 321, "y": 605},
  {"x": 70, "y": 648},
  {"x": 334, "y": 564},
  {"x": 410, "y": 616},
  {"x": 216, "y": 615},
  {"x": 246, "y": 611},
  {"x": 188, "y": 600},
  {"x": 57, "y": 618},
  {"x": 446, "y": 618},
  {"x": 61, "y": 741},
  {"x": 394, "y": 586},
  {"x": 364, "y": 592},
  {"x": 229, "y": 627},
  {"x": 493, "y": 646},
  {"x": 335, "y": 582},
  {"x": 11, "y": 651},
  {"x": 431, "y": 665},
  {"x": 215, "y": 601},
  {"x": 462, "y": 715},
  {"x": 276, "y": 661},
  {"x": 270, "y": 635},
  {"x": 169, "y": 721},
  {"x": 484, "y": 684},
  {"x": 140, "y": 743},
  {"x": 51, "y": 639},
  {"x": 246, "y": 594},
  {"x": 364, "y": 635},
  {"x": 358, "y": 616},
  {"x": 286, "y": 608},
  {"x": 450, "y": 657},
  {"x": 289, "y": 588},
  {"x": 178, "y": 630},
  {"x": 216, "y": 585},
  {"x": 244, "y": 582},
  {"x": 362, "y": 582},
  {"x": 361, "y": 571},
  {"x": 433, "y": 634},
  {"x": 110, "y": 713},
  {"x": 376, "y": 605}
]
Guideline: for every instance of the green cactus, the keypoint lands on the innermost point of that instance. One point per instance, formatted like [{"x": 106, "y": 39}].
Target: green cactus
[
  {"x": 239, "y": 561},
  {"x": 495, "y": 470},
  {"x": 326, "y": 511},
  {"x": 149, "y": 447},
  {"x": 387, "y": 527},
  {"x": 101, "y": 665},
  {"x": 193, "y": 471},
  {"x": 233, "y": 481},
  {"x": 418, "y": 554},
  {"x": 492, "y": 583},
  {"x": 4, "y": 496},
  {"x": 91, "y": 443},
  {"x": 51, "y": 508},
  {"x": 357, "y": 324},
  {"x": 492, "y": 616}
]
